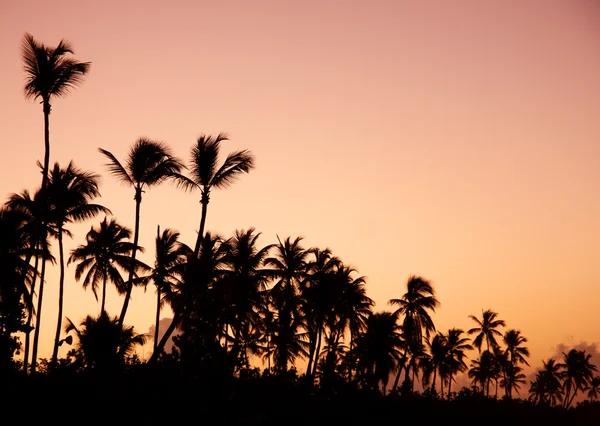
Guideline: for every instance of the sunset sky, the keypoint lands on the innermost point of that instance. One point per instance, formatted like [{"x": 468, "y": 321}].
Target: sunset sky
[{"x": 455, "y": 140}]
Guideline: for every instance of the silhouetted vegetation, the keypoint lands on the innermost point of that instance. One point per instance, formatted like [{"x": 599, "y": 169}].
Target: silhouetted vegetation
[{"x": 246, "y": 314}]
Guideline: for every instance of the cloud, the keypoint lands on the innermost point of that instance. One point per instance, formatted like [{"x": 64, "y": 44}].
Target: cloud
[{"x": 163, "y": 324}]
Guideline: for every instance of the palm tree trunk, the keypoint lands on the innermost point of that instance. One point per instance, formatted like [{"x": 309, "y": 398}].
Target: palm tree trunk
[
  {"x": 449, "y": 384},
  {"x": 201, "y": 229},
  {"x": 103, "y": 295},
  {"x": 136, "y": 235},
  {"x": 46, "y": 106},
  {"x": 36, "y": 334},
  {"x": 317, "y": 350},
  {"x": 165, "y": 337},
  {"x": 29, "y": 310},
  {"x": 312, "y": 345},
  {"x": 157, "y": 318},
  {"x": 61, "y": 284}
]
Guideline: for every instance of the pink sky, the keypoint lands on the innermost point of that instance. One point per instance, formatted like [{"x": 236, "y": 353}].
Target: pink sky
[{"x": 456, "y": 140}]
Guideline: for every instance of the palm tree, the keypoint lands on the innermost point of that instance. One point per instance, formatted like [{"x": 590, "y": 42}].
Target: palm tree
[
  {"x": 15, "y": 274},
  {"x": 49, "y": 72},
  {"x": 482, "y": 371},
  {"x": 171, "y": 257},
  {"x": 577, "y": 372},
  {"x": 206, "y": 174},
  {"x": 435, "y": 360},
  {"x": 289, "y": 268},
  {"x": 244, "y": 283},
  {"x": 105, "y": 254},
  {"x": 414, "y": 305},
  {"x": 37, "y": 212},
  {"x": 594, "y": 389},
  {"x": 70, "y": 191},
  {"x": 515, "y": 353},
  {"x": 103, "y": 343},
  {"x": 456, "y": 345},
  {"x": 149, "y": 163},
  {"x": 487, "y": 328},
  {"x": 378, "y": 349},
  {"x": 547, "y": 387}
]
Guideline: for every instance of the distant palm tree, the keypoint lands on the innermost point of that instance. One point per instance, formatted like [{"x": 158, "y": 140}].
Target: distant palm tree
[
  {"x": 379, "y": 349},
  {"x": 547, "y": 386},
  {"x": 487, "y": 329},
  {"x": 103, "y": 343},
  {"x": 171, "y": 258},
  {"x": 37, "y": 212},
  {"x": 149, "y": 163},
  {"x": 71, "y": 191},
  {"x": 50, "y": 72},
  {"x": 482, "y": 371},
  {"x": 577, "y": 371},
  {"x": 594, "y": 389},
  {"x": 513, "y": 377},
  {"x": 435, "y": 360},
  {"x": 415, "y": 305},
  {"x": 104, "y": 255},
  {"x": 456, "y": 345},
  {"x": 206, "y": 174},
  {"x": 515, "y": 354}
]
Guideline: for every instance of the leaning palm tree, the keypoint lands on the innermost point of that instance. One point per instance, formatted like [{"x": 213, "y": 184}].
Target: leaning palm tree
[
  {"x": 50, "y": 72},
  {"x": 206, "y": 174},
  {"x": 415, "y": 305},
  {"x": 486, "y": 329},
  {"x": 70, "y": 191},
  {"x": 577, "y": 372},
  {"x": 105, "y": 254},
  {"x": 148, "y": 164}
]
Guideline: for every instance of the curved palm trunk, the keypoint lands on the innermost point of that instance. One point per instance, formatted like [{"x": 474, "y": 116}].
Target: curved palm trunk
[
  {"x": 103, "y": 295},
  {"x": 157, "y": 318},
  {"x": 61, "y": 284},
  {"x": 312, "y": 345},
  {"x": 29, "y": 310},
  {"x": 46, "y": 104},
  {"x": 36, "y": 334},
  {"x": 136, "y": 235},
  {"x": 163, "y": 341},
  {"x": 317, "y": 350},
  {"x": 204, "y": 203}
]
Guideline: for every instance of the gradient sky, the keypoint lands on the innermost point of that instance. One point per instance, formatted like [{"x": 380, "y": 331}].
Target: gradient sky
[{"x": 456, "y": 140}]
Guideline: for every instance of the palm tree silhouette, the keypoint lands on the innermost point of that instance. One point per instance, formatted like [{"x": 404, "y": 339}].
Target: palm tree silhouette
[
  {"x": 37, "y": 212},
  {"x": 414, "y": 305},
  {"x": 171, "y": 257},
  {"x": 482, "y": 371},
  {"x": 70, "y": 191},
  {"x": 378, "y": 349},
  {"x": 593, "y": 390},
  {"x": 149, "y": 163},
  {"x": 105, "y": 254},
  {"x": 104, "y": 343},
  {"x": 435, "y": 361},
  {"x": 547, "y": 386},
  {"x": 206, "y": 174},
  {"x": 49, "y": 72},
  {"x": 456, "y": 345},
  {"x": 487, "y": 329},
  {"x": 576, "y": 371},
  {"x": 515, "y": 353}
]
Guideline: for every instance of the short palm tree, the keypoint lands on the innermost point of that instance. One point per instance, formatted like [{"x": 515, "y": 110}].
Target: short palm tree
[
  {"x": 415, "y": 305},
  {"x": 149, "y": 163},
  {"x": 482, "y": 371},
  {"x": 594, "y": 389},
  {"x": 105, "y": 254},
  {"x": 70, "y": 191},
  {"x": 577, "y": 372},
  {"x": 456, "y": 345},
  {"x": 49, "y": 72},
  {"x": 206, "y": 174},
  {"x": 104, "y": 343},
  {"x": 546, "y": 388},
  {"x": 486, "y": 329}
]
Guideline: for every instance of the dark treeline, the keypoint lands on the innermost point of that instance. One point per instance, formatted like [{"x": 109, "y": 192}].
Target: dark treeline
[{"x": 237, "y": 304}]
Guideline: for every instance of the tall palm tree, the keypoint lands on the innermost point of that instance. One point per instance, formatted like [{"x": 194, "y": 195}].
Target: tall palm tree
[
  {"x": 37, "y": 212},
  {"x": 171, "y": 257},
  {"x": 206, "y": 174},
  {"x": 71, "y": 191},
  {"x": 104, "y": 344},
  {"x": 149, "y": 163},
  {"x": 415, "y": 305},
  {"x": 577, "y": 372},
  {"x": 486, "y": 329},
  {"x": 378, "y": 349},
  {"x": 456, "y": 345},
  {"x": 105, "y": 254},
  {"x": 49, "y": 72}
]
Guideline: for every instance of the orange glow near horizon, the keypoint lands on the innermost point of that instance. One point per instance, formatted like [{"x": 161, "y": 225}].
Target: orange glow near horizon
[{"x": 457, "y": 141}]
